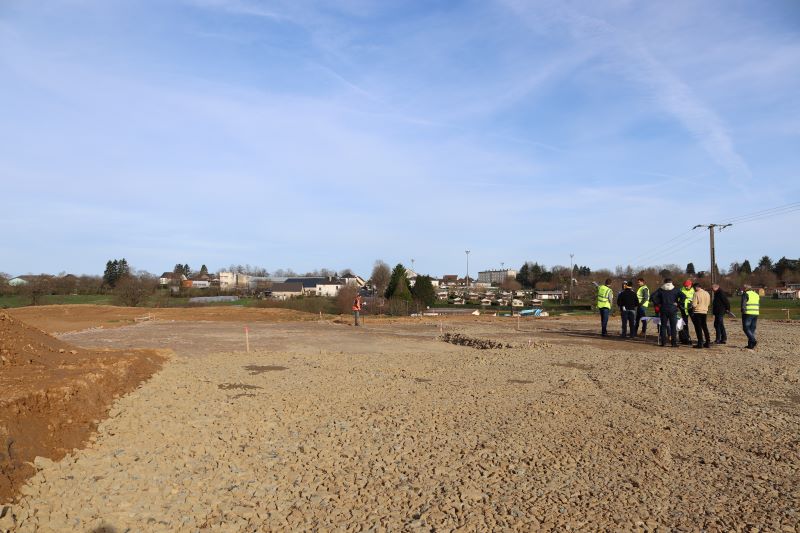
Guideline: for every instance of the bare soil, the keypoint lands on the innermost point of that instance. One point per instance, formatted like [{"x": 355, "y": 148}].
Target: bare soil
[
  {"x": 54, "y": 395},
  {"x": 325, "y": 426}
]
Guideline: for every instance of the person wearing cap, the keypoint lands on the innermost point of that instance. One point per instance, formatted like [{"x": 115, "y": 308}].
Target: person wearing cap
[
  {"x": 720, "y": 306},
  {"x": 604, "y": 295},
  {"x": 750, "y": 308},
  {"x": 643, "y": 294},
  {"x": 686, "y": 311},
  {"x": 627, "y": 303},
  {"x": 700, "y": 302}
]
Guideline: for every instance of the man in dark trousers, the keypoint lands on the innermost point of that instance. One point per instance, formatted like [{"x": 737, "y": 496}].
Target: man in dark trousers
[
  {"x": 720, "y": 307},
  {"x": 685, "y": 311},
  {"x": 668, "y": 299},
  {"x": 750, "y": 309},
  {"x": 628, "y": 303}
]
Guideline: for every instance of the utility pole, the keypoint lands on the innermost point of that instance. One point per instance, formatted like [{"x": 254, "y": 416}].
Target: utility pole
[{"x": 711, "y": 246}]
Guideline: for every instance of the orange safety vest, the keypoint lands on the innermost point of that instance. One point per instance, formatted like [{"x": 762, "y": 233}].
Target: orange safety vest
[{"x": 357, "y": 304}]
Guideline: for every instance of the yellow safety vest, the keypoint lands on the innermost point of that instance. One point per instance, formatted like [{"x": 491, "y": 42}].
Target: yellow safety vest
[
  {"x": 604, "y": 297},
  {"x": 640, "y": 294},
  {"x": 689, "y": 293},
  {"x": 753, "y": 300}
]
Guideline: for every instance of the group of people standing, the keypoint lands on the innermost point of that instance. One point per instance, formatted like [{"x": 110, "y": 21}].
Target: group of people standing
[{"x": 691, "y": 301}]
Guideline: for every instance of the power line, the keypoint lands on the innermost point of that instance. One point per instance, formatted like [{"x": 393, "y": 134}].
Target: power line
[
  {"x": 764, "y": 213},
  {"x": 660, "y": 247},
  {"x": 670, "y": 249}
]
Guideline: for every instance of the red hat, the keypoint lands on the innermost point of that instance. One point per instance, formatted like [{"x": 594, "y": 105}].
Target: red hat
[{"x": 687, "y": 283}]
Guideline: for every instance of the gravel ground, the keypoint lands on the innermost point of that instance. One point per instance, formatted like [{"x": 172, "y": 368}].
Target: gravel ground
[{"x": 332, "y": 427}]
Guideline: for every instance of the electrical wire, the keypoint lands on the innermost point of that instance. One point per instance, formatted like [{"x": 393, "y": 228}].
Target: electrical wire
[
  {"x": 665, "y": 252},
  {"x": 764, "y": 213}
]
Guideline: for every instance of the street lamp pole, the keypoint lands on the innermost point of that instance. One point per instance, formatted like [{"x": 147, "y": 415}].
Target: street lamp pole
[
  {"x": 466, "y": 281},
  {"x": 571, "y": 274}
]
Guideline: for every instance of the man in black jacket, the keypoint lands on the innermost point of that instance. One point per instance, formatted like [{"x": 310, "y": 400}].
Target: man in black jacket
[
  {"x": 720, "y": 307},
  {"x": 668, "y": 299},
  {"x": 628, "y": 303}
]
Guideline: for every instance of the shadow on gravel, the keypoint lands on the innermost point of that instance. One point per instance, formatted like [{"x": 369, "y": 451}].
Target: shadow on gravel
[
  {"x": 520, "y": 381},
  {"x": 237, "y": 386},
  {"x": 258, "y": 369},
  {"x": 576, "y": 366}
]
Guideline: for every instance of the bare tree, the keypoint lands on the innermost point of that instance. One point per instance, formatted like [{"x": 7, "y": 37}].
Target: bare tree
[
  {"x": 132, "y": 291},
  {"x": 36, "y": 288},
  {"x": 380, "y": 276},
  {"x": 510, "y": 284},
  {"x": 344, "y": 300}
]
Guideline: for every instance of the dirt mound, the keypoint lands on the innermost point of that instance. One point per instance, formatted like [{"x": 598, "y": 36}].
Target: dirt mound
[
  {"x": 21, "y": 344},
  {"x": 54, "y": 394}
]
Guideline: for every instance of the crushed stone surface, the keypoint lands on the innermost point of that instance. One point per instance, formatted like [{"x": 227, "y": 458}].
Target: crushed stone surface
[{"x": 331, "y": 427}]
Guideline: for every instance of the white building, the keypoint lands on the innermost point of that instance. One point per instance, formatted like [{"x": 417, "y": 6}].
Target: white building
[
  {"x": 233, "y": 280},
  {"x": 496, "y": 276},
  {"x": 329, "y": 288}
]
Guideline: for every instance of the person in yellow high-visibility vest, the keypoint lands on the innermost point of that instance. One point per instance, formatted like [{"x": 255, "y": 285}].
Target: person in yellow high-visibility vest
[
  {"x": 751, "y": 302},
  {"x": 604, "y": 296},
  {"x": 686, "y": 311}
]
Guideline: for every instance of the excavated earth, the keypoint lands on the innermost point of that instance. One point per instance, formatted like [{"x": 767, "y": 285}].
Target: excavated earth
[
  {"x": 53, "y": 394},
  {"x": 323, "y": 426}
]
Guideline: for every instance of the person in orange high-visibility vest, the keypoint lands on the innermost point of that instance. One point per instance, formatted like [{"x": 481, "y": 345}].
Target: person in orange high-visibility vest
[{"x": 357, "y": 309}]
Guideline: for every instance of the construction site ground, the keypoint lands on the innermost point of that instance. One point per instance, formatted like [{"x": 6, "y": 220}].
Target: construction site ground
[{"x": 325, "y": 426}]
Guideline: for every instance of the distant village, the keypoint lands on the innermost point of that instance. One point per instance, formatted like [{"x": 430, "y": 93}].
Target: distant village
[{"x": 486, "y": 290}]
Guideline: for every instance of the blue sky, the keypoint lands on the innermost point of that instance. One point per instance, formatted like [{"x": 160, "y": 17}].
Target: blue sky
[{"x": 310, "y": 134}]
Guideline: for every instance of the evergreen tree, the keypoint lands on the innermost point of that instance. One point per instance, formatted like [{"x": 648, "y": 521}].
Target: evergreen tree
[
  {"x": 423, "y": 290},
  {"x": 690, "y": 269},
  {"x": 123, "y": 269},
  {"x": 110, "y": 273},
  {"x": 532, "y": 273},
  {"x": 782, "y": 266},
  {"x": 186, "y": 270},
  {"x": 178, "y": 269},
  {"x": 765, "y": 265},
  {"x": 522, "y": 275},
  {"x": 204, "y": 270},
  {"x": 745, "y": 267},
  {"x": 398, "y": 283}
]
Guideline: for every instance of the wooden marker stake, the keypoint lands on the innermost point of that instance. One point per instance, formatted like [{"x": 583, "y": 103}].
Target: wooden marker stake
[{"x": 247, "y": 338}]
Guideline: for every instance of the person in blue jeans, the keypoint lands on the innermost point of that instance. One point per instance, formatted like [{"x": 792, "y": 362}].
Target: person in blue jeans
[
  {"x": 604, "y": 295},
  {"x": 750, "y": 309}
]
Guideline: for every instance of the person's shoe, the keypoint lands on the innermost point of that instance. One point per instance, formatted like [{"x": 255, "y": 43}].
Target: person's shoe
[
  {"x": 755, "y": 344},
  {"x": 749, "y": 347},
  {"x": 707, "y": 345},
  {"x": 717, "y": 341},
  {"x": 676, "y": 345},
  {"x": 696, "y": 346},
  {"x": 723, "y": 342}
]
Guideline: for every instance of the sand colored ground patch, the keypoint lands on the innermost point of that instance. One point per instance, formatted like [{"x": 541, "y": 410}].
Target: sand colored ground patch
[{"x": 62, "y": 318}]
